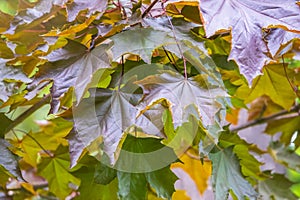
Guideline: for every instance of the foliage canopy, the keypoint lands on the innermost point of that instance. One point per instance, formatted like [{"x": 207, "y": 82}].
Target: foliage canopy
[{"x": 140, "y": 99}]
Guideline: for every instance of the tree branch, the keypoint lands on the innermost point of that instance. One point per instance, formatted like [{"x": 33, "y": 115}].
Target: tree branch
[
  {"x": 262, "y": 120},
  {"x": 27, "y": 113}
]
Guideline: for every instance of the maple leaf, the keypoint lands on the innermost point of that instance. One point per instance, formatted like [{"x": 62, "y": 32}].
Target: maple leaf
[
  {"x": 246, "y": 20},
  {"x": 72, "y": 66},
  {"x": 277, "y": 38},
  {"x": 139, "y": 41},
  {"x": 181, "y": 92},
  {"x": 8, "y": 161},
  {"x": 226, "y": 175},
  {"x": 271, "y": 189},
  {"x": 56, "y": 170},
  {"x": 91, "y": 5},
  {"x": 12, "y": 74},
  {"x": 108, "y": 113}
]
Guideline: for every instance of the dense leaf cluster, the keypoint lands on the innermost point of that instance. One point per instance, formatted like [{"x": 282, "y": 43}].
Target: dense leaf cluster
[{"x": 140, "y": 99}]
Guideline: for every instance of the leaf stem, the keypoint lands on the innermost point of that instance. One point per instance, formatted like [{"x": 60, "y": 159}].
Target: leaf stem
[
  {"x": 178, "y": 45},
  {"x": 172, "y": 61},
  {"x": 122, "y": 72},
  {"x": 288, "y": 79},
  {"x": 263, "y": 120},
  {"x": 27, "y": 113},
  {"x": 149, "y": 8}
]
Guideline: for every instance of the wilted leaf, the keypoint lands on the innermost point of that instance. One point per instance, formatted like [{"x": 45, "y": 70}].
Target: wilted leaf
[
  {"x": 72, "y": 66},
  {"x": 246, "y": 20},
  {"x": 278, "y": 187},
  {"x": 226, "y": 176},
  {"x": 180, "y": 93},
  {"x": 56, "y": 170}
]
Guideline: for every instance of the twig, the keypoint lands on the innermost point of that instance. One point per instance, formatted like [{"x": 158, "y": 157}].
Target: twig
[
  {"x": 262, "y": 120},
  {"x": 27, "y": 113},
  {"x": 145, "y": 13},
  {"x": 171, "y": 61},
  {"x": 122, "y": 72},
  {"x": 178, "y": 45},
  {"x": 294, "y": 88}
]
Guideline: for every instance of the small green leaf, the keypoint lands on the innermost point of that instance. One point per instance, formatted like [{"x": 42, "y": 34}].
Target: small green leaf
[
  {"x": 56, "y": 171},
  {"x": 226, "y": 176}
]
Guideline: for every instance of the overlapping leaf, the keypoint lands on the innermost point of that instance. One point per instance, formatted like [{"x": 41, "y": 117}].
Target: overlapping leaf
[
  {"x": 226, "y": 176},
  {"x": 133, "y": 185},
  {"x": 246, "y": 20},
  {"x": 181, "y": 92},
  {"x": 139, "y": 41},
  {"x": 108, "y": 113},
  {"x": 278, "y": 187},
  {"x": 92, "y": 6},
  {"x": 72, "y": 66},
  {"x": 56, "y": 170},
  {"x": 8, "y": 161},
  {"x": 273, "y": 83},
  {"x": 9, "y": 73}
]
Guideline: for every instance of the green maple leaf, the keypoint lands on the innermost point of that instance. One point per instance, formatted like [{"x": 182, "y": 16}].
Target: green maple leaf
[
  {"x": 133, "y": 184},
  {"x": 249, "y": 49},
  {"x": 72, "y": 66},
  {"x": 278, "y": 187},
  {"x": 274, "y": 84},
  {"x": 226, "y": 175},
  {"x": 287, "y": 126},
  {"x": 56, "y": 171},
  {"x": 90, "y": 190},
  {"x": 139, "y": 41}
]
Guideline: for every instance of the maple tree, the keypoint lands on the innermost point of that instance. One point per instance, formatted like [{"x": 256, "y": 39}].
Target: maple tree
[{"x": 141, "y": 99}]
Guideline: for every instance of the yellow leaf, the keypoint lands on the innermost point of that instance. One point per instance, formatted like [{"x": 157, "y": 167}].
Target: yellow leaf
[{"x": 198, "y": 172}]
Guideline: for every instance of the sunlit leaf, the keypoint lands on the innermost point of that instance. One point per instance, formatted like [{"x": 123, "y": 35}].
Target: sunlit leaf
[
  {"x": 252, "y": 16},
  {"x": 56, "y": 170},
  {"x": 66, "y": 68},
  {"x": 200, "y": 173},
  {"x": 180, "y": 93},
  {"x": 108, "y": 113}
]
